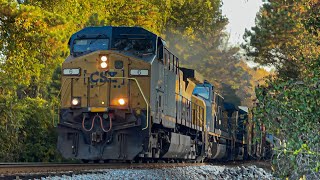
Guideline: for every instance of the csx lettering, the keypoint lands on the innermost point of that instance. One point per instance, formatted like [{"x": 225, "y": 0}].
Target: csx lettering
[{"x": 99, "y": 77}]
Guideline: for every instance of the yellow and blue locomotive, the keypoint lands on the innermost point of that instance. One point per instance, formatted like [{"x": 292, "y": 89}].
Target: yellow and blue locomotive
[{"x": 124, "y": 97}]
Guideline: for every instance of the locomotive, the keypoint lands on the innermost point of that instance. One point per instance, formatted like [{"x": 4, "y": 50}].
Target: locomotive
[{"x": 124, "y": 97}]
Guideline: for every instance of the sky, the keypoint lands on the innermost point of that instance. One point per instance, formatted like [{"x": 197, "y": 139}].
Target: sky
[{"x": 241, "y": 15}]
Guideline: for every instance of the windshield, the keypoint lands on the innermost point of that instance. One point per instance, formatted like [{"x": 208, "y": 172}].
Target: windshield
[
  {"x": 90, "y": 45},
  {"x": 135, "y": 45},
  {"x": 201, "y": 91}
]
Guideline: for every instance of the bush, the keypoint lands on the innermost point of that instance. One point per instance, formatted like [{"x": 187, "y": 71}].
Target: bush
[
  {"x": 290, "y": 110},
  {"x": 27, "y": 131}
]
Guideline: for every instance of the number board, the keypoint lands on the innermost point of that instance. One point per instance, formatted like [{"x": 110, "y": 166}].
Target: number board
[
  {"x": 71, "y": 71},
  {"x": 139, "y": 72}
]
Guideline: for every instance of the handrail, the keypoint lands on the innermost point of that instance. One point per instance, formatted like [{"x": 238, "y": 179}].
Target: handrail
[
  {"x": 65, "y": 92},
  {"x": 66, "y": 78},
  {"x": 53, "y": 121},
  {"x": 145, "y": 99},
  {"x": 134, "y": 79}
]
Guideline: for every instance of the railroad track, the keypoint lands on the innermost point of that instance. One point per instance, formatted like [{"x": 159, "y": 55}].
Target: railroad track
[
  {"x": 32, "y": 170},
  {"x": 38, "y": 170}
]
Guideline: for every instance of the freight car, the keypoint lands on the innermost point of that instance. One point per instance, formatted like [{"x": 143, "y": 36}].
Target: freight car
[{"x": 125, "y": 97}]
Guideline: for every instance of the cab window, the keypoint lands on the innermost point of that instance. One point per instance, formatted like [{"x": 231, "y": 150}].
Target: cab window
[
  {"x": 89, "y": 45},
  {"x": 135, "y": 45},
  {"x": 201, "y": 91}
]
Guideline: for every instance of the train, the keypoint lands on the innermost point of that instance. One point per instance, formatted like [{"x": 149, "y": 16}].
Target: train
[{"x": 125, "y": 97}]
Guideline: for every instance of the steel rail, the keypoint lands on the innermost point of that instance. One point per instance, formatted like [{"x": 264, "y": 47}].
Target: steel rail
[
  {"x": 20, "y": 169},
  {"x": 31, "y": 170}
]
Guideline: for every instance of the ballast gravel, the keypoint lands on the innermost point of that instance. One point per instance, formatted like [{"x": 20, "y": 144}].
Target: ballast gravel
[{"x": 191, "y": 172}]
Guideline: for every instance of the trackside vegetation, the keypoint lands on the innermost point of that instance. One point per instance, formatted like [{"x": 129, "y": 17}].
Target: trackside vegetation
[{"x": 286, "y": 36}]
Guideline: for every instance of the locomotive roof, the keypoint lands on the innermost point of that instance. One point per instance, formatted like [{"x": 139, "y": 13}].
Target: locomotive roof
[
  {"x": 229, "y": 106},
  {"x": 111, "y": 32},
  {"x": 192, "y": 75},
  {"x": 244, "y": 108},
  {"x": 115, "y": 33}
]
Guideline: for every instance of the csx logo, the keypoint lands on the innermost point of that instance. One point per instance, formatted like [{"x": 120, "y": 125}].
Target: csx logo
[{"x": 101, "y": 76}]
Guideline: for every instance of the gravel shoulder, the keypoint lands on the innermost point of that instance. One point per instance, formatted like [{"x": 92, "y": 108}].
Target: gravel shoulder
[{"x": 189, "y": 172}]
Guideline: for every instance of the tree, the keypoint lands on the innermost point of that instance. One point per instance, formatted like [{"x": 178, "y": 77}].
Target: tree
[
  {"x": 32, "y": 44},
  {"x": 289, "y": 109},
  {"x": 286, "y": 36},
  {"x": 282, "y": 39}
]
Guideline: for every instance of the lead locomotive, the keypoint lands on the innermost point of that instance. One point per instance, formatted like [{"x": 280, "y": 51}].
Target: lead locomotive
[{"x": 124, "y": 97}]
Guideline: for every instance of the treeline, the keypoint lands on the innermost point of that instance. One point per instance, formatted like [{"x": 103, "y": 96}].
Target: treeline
[
  {"x": 33, "y": 44},
  {"x": 286, "y": 36}
]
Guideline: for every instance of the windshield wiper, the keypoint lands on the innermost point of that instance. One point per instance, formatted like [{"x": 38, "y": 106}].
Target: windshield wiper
[
  {"x": 82, "y": 52},
  {"x": 94, "y": 40}
]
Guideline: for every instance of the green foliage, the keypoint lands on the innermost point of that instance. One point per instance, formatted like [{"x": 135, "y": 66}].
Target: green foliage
[
  {"x": 31, "y": 44},
  {"x": 37, "y": 130},
  {"x": 289, "y": 109},
  {"x": 286, "y": 36},
  {"x": 26, "y": 133}
]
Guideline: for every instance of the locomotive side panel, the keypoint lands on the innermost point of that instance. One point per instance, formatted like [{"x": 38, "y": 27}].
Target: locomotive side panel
[
  {"x": 198, "y": 113},
  {"x": 163, "y": 83},
  {"x": 162, "y": 87},
  {"x": 157, "y": 91}
]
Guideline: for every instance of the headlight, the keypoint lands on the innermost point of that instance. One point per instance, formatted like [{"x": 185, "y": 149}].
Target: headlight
[
  {"x": 104, "y": 58},
  {"x": 75, "y": 101},
  {"x": 121, "y": 101},
  {"x": 104, "y": 65}
]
